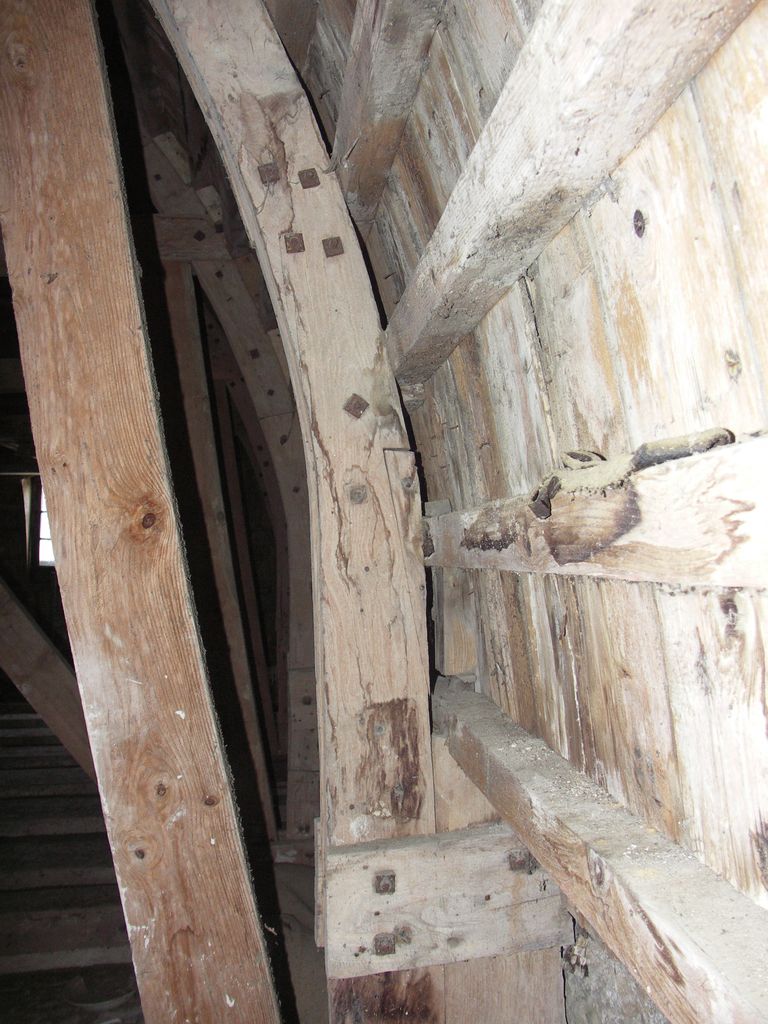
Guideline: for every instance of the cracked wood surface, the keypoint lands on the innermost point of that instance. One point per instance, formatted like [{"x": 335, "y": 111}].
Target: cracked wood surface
[
  {"x": 368, "y": 576},
  {"x": 369, "y": 587},
  {"x": 680, "y": 929},
  {"x": 130, "y": 615},
  {"x": 586, "y": 88},
  {"x": 387, "y": 52},
  {"x": 691, "y": 522}
]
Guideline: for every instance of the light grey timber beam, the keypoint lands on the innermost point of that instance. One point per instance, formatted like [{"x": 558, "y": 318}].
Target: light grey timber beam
[
  {"x": 696, "y": 521},
  {"x": 387, "y": 54},
  {"x": 687, "y": 936},
  {"x": 590, "y": 82}
]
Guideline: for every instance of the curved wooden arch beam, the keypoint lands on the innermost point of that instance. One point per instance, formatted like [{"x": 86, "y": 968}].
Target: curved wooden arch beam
[
  {"x": 370, "y": 635},
  {"x": 368, "y": 576}
]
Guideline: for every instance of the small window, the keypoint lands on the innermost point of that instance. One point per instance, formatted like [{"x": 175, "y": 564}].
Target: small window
[
  {"x": 45, "y": 544},
  {"x": 39, "y": 543}
]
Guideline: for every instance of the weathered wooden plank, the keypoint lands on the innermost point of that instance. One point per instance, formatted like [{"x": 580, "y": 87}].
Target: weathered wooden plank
[
  {"x": 185, "y": 333},
  {"x": 130, "y": 616},
  {"x": 41, "y": 674},
  {"x": 439, "y": 899},
  {"x": 388, "y": 49},
  {"x": 586, "y": 87},
  {"x": 189, "y": 239},
  {"x": 245, "y": 571},
  {"x": 311, "y": 295},
  {"x": 697, "y": 520},
  {"x": 680, "y": 929},
  {"x": 371, "y": 654}
]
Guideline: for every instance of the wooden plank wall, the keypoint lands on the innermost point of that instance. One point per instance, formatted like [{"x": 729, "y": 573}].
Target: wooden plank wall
[{"x": 640, "y": 321}]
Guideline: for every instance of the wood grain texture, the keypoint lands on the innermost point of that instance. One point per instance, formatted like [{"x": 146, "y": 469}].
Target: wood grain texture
[
  {"x": 187, "y": 343},
  {"x": 680, "y": 929},
  {"x": 546, "y": 146},
  {"x": 692, "y": 522},
  {"x": 263, "y": 113},
  {"x": 42, "y": 676},
  {"x": 189, "y": 239},
  {"x": 389, "y": 46},
  {"x": 447, "y": 898},
  {"x": 368, "y": 576},
  {"x": 130, "y": 615}
]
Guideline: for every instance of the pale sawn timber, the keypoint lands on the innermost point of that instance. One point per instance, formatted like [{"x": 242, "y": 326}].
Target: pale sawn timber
[
  {"x": 683, "y": 932},
  {"x": 694, "y": 521},
  {"x": 387, "y": 52},
  {"x": 190, "y": 362},
  {"x": 43, "y": 677},
  {"x": 588, "y": 85},
  {"x": 368, "y": 574},
  {"x": 439, "y": 899},
  {"x": 130, "y": 614}
]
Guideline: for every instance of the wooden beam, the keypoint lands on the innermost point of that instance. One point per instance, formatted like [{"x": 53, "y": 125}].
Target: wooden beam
[
  {"x": 368, "y": 574},
  {"x": 43, "y": 677},
  {"x": 696, "y": 521},
  {"x": 387, "y": 55},
  {"x": 437, "y": 900},
  {"x": 295, "y": 24},
  {"x": 245, "y": 571},
  {"x": 163, "y": 782},
  {"x": 185, "y": 331},
  {"x": 586, "y": 87},
  {"x": 189, "y": 239},
  {"x": 685, "y": 934}
]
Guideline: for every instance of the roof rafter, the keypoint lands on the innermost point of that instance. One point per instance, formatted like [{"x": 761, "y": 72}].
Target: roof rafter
[{"x": 589, "y": 83}]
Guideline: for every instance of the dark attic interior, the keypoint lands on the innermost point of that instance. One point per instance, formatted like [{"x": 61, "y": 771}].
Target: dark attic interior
[{"x": 384, "y": 489}]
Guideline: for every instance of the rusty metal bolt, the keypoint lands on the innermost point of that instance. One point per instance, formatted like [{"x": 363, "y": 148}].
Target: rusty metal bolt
[
  {"x": 269, "y": 173},
  {"x": 333, "y": 246},
  {"x": 403, "y": 935},
  {"x": 355, "y": 405},
  {"x": 294, "y": 242},
  {"x": 384, "y": 944},
  {"x": 309, "y": 178},
  {"x": 384, "y": 883}
]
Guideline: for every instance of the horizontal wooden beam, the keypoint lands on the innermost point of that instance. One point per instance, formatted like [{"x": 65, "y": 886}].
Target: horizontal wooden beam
[
  {"x": 589, "y": 83},
  {"x": 387, "y": 53},
  {"x": 691, "y": 940},
  {"x": 439, "y": 899},
  {"x": 43, "y": 677},
  {"x": 694, "y": 521}
]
